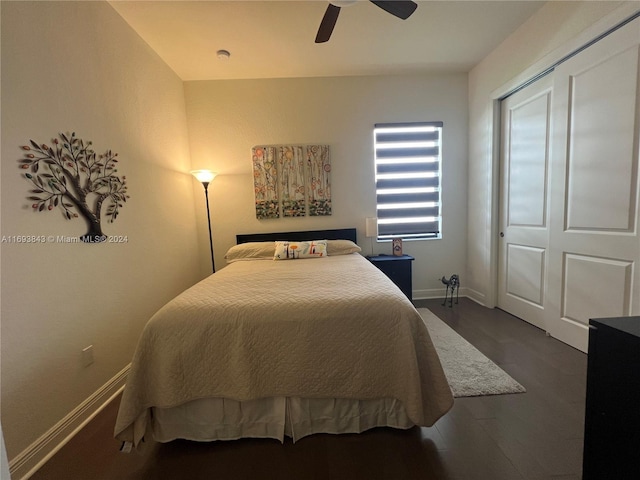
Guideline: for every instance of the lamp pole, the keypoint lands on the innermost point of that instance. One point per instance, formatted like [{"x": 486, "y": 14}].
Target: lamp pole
[
  {"x": 205, "y": 177},
  {"x": 206, "y": 196}
]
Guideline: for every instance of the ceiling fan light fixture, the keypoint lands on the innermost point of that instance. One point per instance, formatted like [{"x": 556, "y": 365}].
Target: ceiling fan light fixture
[{"x": 398, "y": 8}]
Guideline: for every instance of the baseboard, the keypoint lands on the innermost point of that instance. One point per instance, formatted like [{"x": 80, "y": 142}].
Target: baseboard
[
  {"x": 439, "y": 293},
  {"x": 431, "y": 293},
  {"x": 33, "y": 457},
  {"x": 476, "y": 296}
]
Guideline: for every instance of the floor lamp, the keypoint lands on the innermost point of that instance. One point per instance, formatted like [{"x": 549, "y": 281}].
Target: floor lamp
[{"x": 205, "y": 177}]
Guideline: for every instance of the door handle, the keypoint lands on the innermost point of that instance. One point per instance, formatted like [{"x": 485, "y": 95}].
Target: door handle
[{"x": 501, "y": 234}]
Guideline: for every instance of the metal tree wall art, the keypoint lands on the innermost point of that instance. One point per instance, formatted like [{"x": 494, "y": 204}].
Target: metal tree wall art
[{"x": 70, "y": 176}]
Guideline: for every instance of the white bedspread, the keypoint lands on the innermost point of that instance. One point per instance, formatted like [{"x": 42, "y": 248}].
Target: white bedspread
[{"x": 333, "y": 327}]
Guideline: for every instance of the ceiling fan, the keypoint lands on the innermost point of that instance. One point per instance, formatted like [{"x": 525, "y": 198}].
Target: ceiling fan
[{"x": 400, "y": 8}]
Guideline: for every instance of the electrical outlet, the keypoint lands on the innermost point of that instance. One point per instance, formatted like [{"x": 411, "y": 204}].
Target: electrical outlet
[{"x": 87, "y": 356}]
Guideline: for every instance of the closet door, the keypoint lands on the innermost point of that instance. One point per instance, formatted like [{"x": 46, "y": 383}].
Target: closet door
[
  {"x": 594, "y": 246},
  {"x": 524, "y": 193}
]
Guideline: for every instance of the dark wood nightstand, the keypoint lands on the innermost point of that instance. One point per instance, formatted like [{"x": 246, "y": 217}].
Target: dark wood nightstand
[{"x": 398, "y": 269}]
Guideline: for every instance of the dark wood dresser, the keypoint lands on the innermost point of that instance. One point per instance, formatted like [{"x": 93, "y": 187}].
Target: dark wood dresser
[{"x": 612, "y": 416}]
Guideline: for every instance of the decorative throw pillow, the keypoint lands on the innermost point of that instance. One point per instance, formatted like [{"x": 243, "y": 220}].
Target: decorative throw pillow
[
  {"x": 290, "y": 250},
  {"x": 341, "y": 247},
  {"x": 250, "y": 251}
]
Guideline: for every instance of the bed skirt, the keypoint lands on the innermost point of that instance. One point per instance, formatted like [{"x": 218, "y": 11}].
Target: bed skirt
[{"x": 212, "y": 419}]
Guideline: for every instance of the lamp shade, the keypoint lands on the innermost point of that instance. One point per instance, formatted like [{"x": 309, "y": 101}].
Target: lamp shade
[
  {"x": 371, "y": 227},
  {"x": 204, "y": 176}
]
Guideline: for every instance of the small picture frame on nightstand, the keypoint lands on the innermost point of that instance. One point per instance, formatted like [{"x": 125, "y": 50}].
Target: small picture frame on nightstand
[{"x": 397, "y": 247}]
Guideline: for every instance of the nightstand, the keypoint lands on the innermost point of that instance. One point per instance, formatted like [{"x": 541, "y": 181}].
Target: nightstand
[{"x": 398, "y": 269}]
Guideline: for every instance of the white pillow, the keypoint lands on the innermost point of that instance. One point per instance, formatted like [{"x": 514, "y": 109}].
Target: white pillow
[
  {"x": 341, "y": 247},
  {"x": 291, "y": 250},
  {"x": 250, "y": 251}
]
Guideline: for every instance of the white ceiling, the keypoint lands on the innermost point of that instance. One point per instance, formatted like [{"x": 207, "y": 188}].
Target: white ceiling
[{"x": 275, "y": 39}]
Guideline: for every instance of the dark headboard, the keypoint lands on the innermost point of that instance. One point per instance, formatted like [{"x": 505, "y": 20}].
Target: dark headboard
[{"x": 335, "y": 234}]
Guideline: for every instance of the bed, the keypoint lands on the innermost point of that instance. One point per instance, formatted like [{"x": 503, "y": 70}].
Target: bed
[{"x": 272, "y": 348}]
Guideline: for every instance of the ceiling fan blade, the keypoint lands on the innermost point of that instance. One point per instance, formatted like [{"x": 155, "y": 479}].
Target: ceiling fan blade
[
  {"x": 327, "y": 24},
  {"x": 400, "y": 8}
]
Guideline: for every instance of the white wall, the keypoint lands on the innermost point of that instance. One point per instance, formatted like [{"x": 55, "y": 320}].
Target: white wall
[
  {"x": 227, "y": 118},
  {"x": 552, "y": 32},
  {"x": 77, "y": 66}
]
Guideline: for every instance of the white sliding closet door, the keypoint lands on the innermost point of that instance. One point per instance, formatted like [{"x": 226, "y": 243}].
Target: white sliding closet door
[
  {"x": 594, "y": 244},
  {"x": 569, "y": 216},
  {"x": 524, "y": 221}
]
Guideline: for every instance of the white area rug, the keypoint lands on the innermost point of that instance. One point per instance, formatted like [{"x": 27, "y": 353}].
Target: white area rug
[{"x": 469, "y": 372}]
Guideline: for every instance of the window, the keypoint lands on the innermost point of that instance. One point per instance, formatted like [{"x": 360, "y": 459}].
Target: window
[{"x": 408, "y": 159}]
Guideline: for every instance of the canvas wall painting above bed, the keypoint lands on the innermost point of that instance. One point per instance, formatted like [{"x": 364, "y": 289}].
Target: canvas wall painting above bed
[
  {"x": 270, "y": 349},
  {"x": 291, "y": 180}
]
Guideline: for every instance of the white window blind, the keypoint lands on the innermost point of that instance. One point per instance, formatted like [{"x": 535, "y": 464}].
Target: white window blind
[{"x": 408, "y": 161}]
